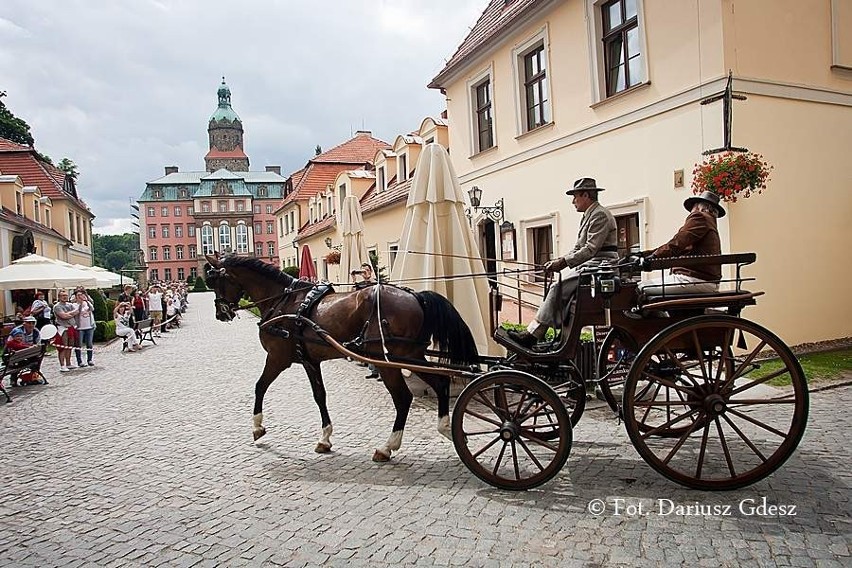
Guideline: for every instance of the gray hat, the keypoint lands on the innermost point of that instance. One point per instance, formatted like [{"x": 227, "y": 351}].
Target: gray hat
[
  {"x": 30, "y": 318},
  {"x": 584, "y": 184},
  {"x": 707, "y": 197}
]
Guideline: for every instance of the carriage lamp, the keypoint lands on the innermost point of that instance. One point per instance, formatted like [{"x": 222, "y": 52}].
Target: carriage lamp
[
  {"x": 495, "y": 212},
  {"x": 328, "y": 242}
]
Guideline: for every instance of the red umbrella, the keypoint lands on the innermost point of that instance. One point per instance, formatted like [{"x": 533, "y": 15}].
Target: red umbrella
[{"x": 307, "y": 270}]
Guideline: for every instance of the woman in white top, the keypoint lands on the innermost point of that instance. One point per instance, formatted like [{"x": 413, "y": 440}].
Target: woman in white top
[
  {"x": 85, "y": 327},
  {"x": 122, "y": 315}
]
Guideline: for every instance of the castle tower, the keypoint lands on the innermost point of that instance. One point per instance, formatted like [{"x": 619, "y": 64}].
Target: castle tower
[{"x": 225, "y": 131}]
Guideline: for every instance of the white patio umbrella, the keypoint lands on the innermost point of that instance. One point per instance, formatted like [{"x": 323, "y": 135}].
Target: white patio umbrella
[
  {"x": 437, "y": 244},
  {"x": 353, "y": 252},
  {"x": 35, "y": 271},
  {"x": 105, "y": 279}
]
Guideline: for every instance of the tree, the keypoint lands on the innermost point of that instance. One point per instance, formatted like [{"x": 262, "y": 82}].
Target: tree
[
  {"x": 117, "y": 259},
  {"x": 69, "y": 167},
  {"x": 199, "y": 285},
  {"x": 379, "y": 271},
  {"x": 103, "y": 245},
  {"x": 13, "y": 128}
]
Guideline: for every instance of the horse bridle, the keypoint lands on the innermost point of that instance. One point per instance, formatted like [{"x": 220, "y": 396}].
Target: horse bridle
[{"x": 231, "y": 308}]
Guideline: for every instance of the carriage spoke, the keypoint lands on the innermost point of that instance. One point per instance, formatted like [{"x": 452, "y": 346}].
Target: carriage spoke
[
  {"x": 530, "y": 454},
  {"x": 480, "y": 433},
  {"x": 484, "y": 400},
  {"x": 726, "y": 349},
  {"x": 680, "y": 442},
  {"x": 663, "y": 403},
  {"x": 520, "y": 404},
  {"x": 745, "y": 364},
  {"x": 662, "y": 427},
  {"x": 487, "y": 446},
  {"x": 648, "y": 410},
  {"x": 744, "y": 438},
  {"x": 534, "y": 413},
  {"x": 725, "y": 447},
  {"x": 499, "y": 458},
  {"x": 679, "y": 363},
  {"x": 748, "y": 401},
  {"x": 482, "y": 417},
  {"x": 702, "y": 451},
  {"x": 543, "y": 443},
  {"x": 700, "y": 353},
  {"x": 515, "y": 460},
  {"x": 760, "y": 381},
  {"x": 756, "y": 422},
  {"x": 663, "y": 382}
]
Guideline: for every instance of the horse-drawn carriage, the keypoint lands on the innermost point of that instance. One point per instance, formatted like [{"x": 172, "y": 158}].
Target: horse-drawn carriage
[{"x": 686, "y": 374}]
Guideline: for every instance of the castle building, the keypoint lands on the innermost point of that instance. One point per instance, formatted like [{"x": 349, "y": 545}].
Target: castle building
[{"x": 226, "y": 208}]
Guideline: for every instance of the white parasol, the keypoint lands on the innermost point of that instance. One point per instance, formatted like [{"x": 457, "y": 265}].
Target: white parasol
[
  {"x": 435, "y": 226},
  {"x": 35, "y": 271},
  {"x": 354, "y": 250}
]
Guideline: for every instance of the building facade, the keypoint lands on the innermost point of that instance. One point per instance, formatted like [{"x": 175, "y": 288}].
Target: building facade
[
  {"x": 226, "y": 208},
  {"x": 543, "y": 92}
]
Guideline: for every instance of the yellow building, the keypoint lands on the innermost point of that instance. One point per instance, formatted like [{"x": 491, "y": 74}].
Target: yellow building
[{"x": 543, "y": 92}]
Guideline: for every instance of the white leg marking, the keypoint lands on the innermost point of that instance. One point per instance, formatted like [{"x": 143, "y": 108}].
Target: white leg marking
[
  {"x": 325, "y": 438},
  {"x": 444, "y": 427},
  {"x": 257, "y": 428},
  {"x": 394, "y": 442}
]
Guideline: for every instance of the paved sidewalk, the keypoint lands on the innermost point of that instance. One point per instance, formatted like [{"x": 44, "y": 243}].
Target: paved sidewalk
[{"x": 147, "y": 460}]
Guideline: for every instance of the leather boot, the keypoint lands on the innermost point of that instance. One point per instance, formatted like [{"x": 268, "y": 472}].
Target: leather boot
[{"x": 523, "y": 338}]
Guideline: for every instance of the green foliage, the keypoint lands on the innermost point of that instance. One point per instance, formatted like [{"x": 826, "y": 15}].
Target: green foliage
[
  {"x": 255, "y": 310},
  {"x": 291, "y": 271},
  {"x": 584, "y": 335},
  {"x": 110, "y": 306},
  {"x": 104, "y": 330},
  {"x": 828, "y": 366},
  {"x": 190, "y": 280},
  {"x": 117, "y": 259},
  {"x": 14, "y": 128},
  {"x": 100, "y": 305},
  {"x": 199, "y": 286},
  {"x": 69, "y": 167},
  {"x": 105, "y": 245},
  {"x": 381, "y": 272}
]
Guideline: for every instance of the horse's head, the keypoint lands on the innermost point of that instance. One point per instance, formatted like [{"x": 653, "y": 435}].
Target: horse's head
[{"x": 228, "y": 291}]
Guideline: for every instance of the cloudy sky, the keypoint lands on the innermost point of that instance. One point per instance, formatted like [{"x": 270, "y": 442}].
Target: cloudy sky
[{"x": 125, "y": 87}]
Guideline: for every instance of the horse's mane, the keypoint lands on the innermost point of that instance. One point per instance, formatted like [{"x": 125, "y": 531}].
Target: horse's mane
[{"x": 258, "y": 266}]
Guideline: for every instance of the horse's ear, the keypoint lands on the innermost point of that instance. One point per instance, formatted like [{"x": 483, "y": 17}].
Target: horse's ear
[{"x": 214, "y": 262}]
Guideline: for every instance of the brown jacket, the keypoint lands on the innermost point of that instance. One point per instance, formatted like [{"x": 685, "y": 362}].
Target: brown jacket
[{"x": 698, "y": 237}]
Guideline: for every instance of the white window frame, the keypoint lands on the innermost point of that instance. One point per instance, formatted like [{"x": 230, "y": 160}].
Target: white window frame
[
  {"x": 242, "y": 238},
  {"x": 381, "y": 178},
  {"x": 179, "y": 252},
  {"x": 152, "y": 253},
  {"x": 167, "y": 252},
  {"x": 393, "y": 251},
  {"x": 472, "y": 84},
  {"x": 638, "y": 205},
  {"x": 208, "y": 239},
  {"x": 518, "y": 53},
  {"x": 597, "y": 59},
  {"x": 223, "y": 236},
  {"x": 402, "y": 166},
  {"x": 152, "y": 211},
  {"x": 193, "y": 251}
]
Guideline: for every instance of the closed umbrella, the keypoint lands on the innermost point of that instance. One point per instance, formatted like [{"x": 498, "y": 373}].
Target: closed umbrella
[
  {"x": 307, "y": 270},
  {"x": 436, "y": 227},
  {"x": 35, "y": 271},
  {"x": 353, "y": 252}
]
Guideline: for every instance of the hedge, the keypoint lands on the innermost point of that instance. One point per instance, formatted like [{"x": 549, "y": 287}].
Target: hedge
[
  {"x": 104, "y": 330},
  {"x": 199, "y": 285}
]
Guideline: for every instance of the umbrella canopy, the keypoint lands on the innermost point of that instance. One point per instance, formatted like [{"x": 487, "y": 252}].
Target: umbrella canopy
[
  {"x": 307, "y": 270},
  {"x": 435, "y": 226},
  {"x": 35, "y": 271},
  {"x": 117, "y": 279},
  {"x": 354, "y": 249},
  {"x": 105, "y": 279}
]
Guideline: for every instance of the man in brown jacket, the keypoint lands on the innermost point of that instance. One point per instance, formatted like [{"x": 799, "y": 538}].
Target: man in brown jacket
[{"x": 697, "y": 237}]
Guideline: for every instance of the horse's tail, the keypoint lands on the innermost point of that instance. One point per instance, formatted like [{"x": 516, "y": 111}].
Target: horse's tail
[{"x": 443, "y": 325}]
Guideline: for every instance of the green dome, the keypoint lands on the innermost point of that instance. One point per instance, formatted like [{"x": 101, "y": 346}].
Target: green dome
[{"x": 224, "y": 111}]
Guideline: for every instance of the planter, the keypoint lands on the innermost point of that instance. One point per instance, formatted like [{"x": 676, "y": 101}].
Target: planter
[{"x": 731, "y": 175}]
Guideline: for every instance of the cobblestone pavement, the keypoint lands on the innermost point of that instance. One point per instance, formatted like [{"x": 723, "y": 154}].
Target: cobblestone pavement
[{"x": 147, "y": 460}]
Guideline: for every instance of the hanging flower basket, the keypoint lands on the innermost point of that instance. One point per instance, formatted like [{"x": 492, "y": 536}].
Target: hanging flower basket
[
  {"x": 333, "y": 257},
  {"x": 731, "y": 175}
]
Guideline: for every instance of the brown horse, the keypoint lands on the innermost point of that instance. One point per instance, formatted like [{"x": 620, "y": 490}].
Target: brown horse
[{"x": 410, "y": 322}]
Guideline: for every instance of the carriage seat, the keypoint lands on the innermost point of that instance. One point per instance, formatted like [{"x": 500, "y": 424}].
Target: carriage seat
[{"x": 716, "y": 300}]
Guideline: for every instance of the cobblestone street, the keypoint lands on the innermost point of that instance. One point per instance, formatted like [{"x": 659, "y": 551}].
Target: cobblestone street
[{"x": 147, "y": 460}]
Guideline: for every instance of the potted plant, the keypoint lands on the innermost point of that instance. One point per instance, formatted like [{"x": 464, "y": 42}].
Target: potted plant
[
  {"x": 333, "y": 257},
  {"x": 731, "y": 175}
]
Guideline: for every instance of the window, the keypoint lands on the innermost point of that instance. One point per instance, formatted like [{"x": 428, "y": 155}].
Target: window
[
  {"x": 190, "y": 211},
  {"x": 622, "y": 55},
  {"x": 241, "y": 206},
  {"x": 158, "y": 194},
  {"x": 167, "y": 274},
  {"x": 152, "y": 253},
  {"x": 193, "y": 272},
  {"x": 380, "y": 179},
  {"x": 293, "y": 221},
  {"x": 270, "y": 228},
  {"x": 19, "y": 203},
  {"x": 193, "y": 252},
  {"x": 36, "y": 213},
  {"x": 72, "y": 226},
  {"x": 165, "y": 231},
  {"x": 224, "y": 238},
  {"x": 181, "y": 274},
  {"x": 205, "y": 207},
  {"x": 152, "y": 211},
  {"x": 206, "y": 239},
  {"x": 47, "y": 218},
  {"x": 402, "y": 168},
  {"x": 393, "y": 250},
  {"x": 242, "y": 239},
  {"x": 258, "y": 228},
  {"x": 536, "y": 103},
  {"x": 280, "y": 226},
  {"x": 164, "y": 211},
  {"x": 270, "y": 247},
  {"x": 178, "y": 231},
  {"x": 269, "y": 209},
  {"x": 329, "y": 203},
  {"x": 258, "y": 249},
  {"x": 179, "y": 252},
  {"x": 152, "y": 231},
  {"x": 261, "y": 192},
  {"x": 184, "y": 193},
  {"x": 154, "y": 276},
  {"x": 167, "y": 253},
  {"x": 483, "y": 119},
  {"x": 223, "y": 206},
  {"x": 178, "y": 211},
  {"x": 190, "y": 230},
  {"x": 257, "y": 209},
  {"x": 541, "y": 239}
]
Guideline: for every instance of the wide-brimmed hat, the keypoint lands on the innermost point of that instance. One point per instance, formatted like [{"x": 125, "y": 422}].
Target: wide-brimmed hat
[
  {"x": 30, "y": 318},
  {"x": 707, "y": 197},
  {"x": 584, "y": 184}
]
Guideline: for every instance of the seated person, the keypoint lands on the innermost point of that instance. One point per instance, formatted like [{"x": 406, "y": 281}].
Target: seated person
[
  {"x": 697, "y": 237},
  {"x": 21, "y": 337},
  {"x": 123, "y": 326}
]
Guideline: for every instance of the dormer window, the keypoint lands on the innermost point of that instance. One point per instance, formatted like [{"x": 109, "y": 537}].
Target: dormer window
[
  {"x": 402, "y": 170},
  {"x": 381, "y": 182},
  {"x": 184, "y": 193},
  {"x": 261, "y": 191},
  {"x": 158, "y": 194},
  {"x": 19, "y": 203}
]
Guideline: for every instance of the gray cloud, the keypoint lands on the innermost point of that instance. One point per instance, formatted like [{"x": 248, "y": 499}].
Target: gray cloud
[{"x": 126, "y": 87}]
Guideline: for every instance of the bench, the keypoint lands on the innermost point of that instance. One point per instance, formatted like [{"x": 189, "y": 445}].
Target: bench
[
  {"x": 21, "y": 361},
  {"x": 144, "y": 332}
]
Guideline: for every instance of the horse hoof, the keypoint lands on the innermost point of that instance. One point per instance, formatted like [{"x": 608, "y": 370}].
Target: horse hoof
[
  {"x": 322, "y": 448},
  {"x": 258, "y": 433},
  {"x": 380, "y": 457}
]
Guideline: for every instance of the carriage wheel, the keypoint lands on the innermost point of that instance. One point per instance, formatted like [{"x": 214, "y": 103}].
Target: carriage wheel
[
  {"x": 705, "y": 378},
  {"x": 616, "y": 355},
  {"x": 511, "y": 430}
]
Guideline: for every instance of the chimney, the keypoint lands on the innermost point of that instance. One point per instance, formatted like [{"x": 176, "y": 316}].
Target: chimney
[
  {"x": 363, "y": 133},
  {"x": 274, "y": 169},
  {"x": 171, "y": 170}
]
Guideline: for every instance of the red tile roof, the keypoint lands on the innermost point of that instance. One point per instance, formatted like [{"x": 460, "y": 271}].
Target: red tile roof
[
  {"x": 22, "y": 160},
  {"x": 357, "y": 150},
  {"x": 496, "y": 19},
  {"x": 309, "y": 230},
  {"x": 373, "y": 200}
]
